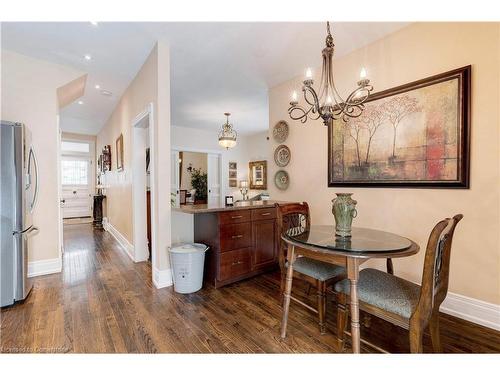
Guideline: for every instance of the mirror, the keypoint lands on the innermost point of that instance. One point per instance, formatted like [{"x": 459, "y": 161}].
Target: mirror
[{"x": 258, "y": 175}]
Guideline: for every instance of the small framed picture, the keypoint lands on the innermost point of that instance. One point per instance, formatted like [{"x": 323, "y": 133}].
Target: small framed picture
[
  {"x": 119, "y": 153},
  {"x": 233, "y": 165},
  {"x": 229, "y": 200},
  {"x": 233, "y": 182},
  {"x": 233, "y": 174}
]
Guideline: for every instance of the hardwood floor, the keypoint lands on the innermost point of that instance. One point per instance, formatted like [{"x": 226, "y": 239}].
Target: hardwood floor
[{"x": 103, "y": 302}]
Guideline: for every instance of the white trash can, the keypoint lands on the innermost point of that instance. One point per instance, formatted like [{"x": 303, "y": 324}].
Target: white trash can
[{"x": 187, "y": 263}]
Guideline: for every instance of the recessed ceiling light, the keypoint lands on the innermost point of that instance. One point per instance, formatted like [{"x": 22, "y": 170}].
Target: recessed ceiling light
[
  {"x": 80, "y": 102},
  {"x": 94, "y": 23},
  {"x": 88, "y": 57},
  {"x": 97, "y": 87}
]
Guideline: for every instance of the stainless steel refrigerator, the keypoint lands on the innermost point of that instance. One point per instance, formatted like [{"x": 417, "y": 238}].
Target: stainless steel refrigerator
[{"x": 18, "y": 191}]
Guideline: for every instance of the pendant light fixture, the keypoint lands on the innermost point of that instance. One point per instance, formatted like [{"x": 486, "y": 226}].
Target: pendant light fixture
[
  {"x": 327, "y": 102},
  {"x": 227, "y": 135}
]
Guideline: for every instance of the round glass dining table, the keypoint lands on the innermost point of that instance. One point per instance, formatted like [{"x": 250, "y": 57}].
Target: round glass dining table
[{"x": 320, "y": 242}]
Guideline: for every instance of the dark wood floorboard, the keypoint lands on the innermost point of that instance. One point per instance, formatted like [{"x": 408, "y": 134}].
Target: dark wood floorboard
[{"x": 104, "y": 303}]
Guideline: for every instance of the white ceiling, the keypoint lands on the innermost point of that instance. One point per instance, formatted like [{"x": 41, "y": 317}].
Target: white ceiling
[{"x": 215, "y": 67}]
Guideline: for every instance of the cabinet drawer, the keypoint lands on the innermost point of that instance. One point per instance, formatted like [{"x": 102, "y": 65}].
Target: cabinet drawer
[
  {"x": 235, "y": 236},
  {"x": 233, "y": 217},
  {"x": 234, "y": 263},
  {"x": 264, "y": 214}
]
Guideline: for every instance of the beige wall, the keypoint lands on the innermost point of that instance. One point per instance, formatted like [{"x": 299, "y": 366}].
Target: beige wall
[
  {"x": 415, "y": 52},
  {"x": 151, "y": 85},
  {"x": 29, "y": 95}
]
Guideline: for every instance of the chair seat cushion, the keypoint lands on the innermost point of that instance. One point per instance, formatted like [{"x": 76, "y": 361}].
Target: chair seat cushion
[
  {"x": 319, "y": 270},
  {"x": 385, "y": 291}
]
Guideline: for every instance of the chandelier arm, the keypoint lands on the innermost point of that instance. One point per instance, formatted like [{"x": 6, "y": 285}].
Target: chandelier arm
[
  {"x": 302, "y": 113},
  {"x": 309, "y": 90}
]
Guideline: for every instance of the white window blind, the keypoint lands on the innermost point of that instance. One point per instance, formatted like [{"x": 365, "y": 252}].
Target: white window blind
[{"x": 74, "y": 172}]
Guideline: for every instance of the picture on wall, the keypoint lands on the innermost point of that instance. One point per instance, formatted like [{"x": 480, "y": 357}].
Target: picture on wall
[
  {"x": 119, "y": 153},
  {"x": 233, "y": 174},
  {"x": 415, "y": 135}
]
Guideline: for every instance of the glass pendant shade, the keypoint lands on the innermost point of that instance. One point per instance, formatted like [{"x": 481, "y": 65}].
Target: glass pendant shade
[{"x": 227, "y": 135}]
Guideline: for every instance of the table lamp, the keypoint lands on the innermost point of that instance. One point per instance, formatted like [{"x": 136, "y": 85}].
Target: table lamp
[{"x": 244, "y": 189}]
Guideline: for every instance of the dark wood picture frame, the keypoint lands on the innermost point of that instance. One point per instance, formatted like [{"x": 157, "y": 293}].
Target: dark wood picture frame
[
  {"x": 463, "y": 75},
  {"x": 106, "y": 159},
  {"x": 119, "y": 153}
]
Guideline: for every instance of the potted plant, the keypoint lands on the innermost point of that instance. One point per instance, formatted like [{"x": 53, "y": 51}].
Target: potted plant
[{"x": 199, "y": 182}]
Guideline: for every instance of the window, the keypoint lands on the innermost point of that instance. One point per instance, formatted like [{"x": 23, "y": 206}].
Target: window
[
  {"x": 74, "y": 172},
  {"x": 67, "y": 146}
]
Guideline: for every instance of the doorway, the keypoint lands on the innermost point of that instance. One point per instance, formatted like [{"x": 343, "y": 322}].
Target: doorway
[
  {"x": 196, "y": 177},
  {"x": 143, "y": 187},
  {"x": 77, "y": 180}
]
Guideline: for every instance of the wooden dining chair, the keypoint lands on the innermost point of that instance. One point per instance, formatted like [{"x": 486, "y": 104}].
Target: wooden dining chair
[
  {"x": 317, "y": 274},
  {"x": 402, "y": 302}
]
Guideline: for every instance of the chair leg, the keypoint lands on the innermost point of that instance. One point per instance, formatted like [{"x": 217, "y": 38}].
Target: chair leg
[
  {"x": 342, "y": 315},
  {"x": 321, "y": 306},
  {"x": 434, "y": 328},
  {"x": 416, "y": 335}
]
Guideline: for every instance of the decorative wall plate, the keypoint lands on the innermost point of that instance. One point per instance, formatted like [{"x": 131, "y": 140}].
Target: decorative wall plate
[
  {"x": 282, "y": 156},
  {"x": 280, "y": 131},
  {"x": 281, "y": 180}
]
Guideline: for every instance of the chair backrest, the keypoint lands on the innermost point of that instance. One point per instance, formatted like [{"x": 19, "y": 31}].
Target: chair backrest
[
  {"x": 436, "y": 267},
  {"x": 291, "y": 215}
]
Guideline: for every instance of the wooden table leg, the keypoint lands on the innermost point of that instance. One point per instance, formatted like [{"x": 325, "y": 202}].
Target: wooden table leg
[
  {"x": 353, "y": 275},
  {"x": 288, "y": 289}
]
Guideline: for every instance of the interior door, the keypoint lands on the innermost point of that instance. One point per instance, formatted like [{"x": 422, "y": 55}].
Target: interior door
[
  {"x": 174, "y": 176},
  {"x": 76, "y": 187},
  {"x": 213, "y": 177}
]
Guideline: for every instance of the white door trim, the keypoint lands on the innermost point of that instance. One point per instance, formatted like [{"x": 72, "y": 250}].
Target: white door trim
[{"x": 139, "y": 227}]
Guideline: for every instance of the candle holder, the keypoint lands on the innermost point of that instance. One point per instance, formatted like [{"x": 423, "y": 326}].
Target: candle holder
[{"x": 244, "y": 189}]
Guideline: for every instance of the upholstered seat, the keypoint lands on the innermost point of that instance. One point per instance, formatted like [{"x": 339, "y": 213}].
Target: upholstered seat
[
  {"x": 385, "y": 291},
  {"x": 316, "y": 269}
]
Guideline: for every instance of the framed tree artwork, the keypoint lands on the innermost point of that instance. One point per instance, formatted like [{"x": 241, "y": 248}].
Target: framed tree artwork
[
  {"x": 119, "y": 153},
  {"x": 415, "y": 135}
]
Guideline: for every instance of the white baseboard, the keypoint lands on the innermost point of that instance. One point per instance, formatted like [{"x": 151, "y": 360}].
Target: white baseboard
[
  {"x": 474, "y": 310},
  {"x": 120, "y": 238},
  {"x": 162, "y": 278},
  {"x": 44, "y": 267}
]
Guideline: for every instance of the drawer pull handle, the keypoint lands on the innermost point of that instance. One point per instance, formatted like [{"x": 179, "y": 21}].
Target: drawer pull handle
[
  {"x": 236, "y": 263},
  {"x": 266, "y": 214},
  {"x": 237, "y": 236},
  {"x": 236, "y": 217}
]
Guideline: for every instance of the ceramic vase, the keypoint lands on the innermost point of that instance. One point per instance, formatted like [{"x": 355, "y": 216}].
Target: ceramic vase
[{"x": 344, "y": 210}]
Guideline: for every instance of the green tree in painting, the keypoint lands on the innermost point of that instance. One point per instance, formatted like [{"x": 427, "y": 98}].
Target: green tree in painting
[{"x": 396, "y": 109}]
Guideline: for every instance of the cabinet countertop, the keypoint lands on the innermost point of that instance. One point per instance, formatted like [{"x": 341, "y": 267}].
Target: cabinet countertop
[{"x": 243, "y": 205}]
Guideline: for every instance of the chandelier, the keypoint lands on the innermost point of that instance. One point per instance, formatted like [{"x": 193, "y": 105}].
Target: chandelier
[
  {"x": 227, "y": 135},
  {"x": 327, "y": 102}
]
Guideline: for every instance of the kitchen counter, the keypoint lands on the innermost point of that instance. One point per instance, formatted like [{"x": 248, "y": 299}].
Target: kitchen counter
[{"x": 204, "y": 208}]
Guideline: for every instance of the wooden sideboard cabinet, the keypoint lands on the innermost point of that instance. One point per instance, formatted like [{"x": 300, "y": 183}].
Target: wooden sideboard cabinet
[{"x": 243, "y": 243}]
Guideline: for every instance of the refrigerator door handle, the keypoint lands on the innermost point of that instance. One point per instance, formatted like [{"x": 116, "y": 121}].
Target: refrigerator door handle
[
  {"x": 32, "y": 156},
  {"x": 31, "y": 231}
]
